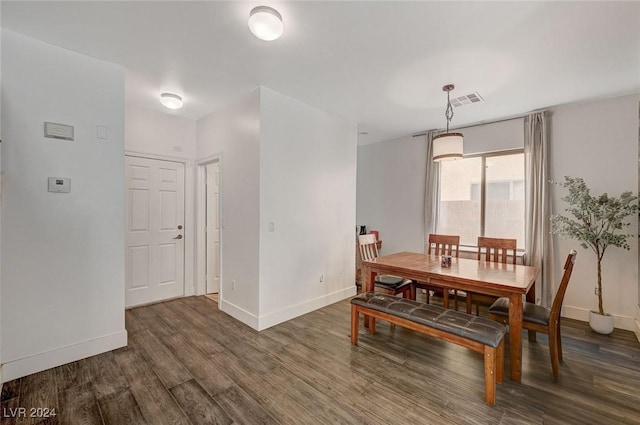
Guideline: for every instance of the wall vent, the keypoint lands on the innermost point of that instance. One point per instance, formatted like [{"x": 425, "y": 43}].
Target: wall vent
[{"x": 467, "y": 99}]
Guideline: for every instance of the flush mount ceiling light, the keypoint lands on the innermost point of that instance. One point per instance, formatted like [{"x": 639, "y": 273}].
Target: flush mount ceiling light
[
  {"x": 447, "y": 146},
  {"x": 171, "y": 101},
  {"x": 265, "y": 23}
]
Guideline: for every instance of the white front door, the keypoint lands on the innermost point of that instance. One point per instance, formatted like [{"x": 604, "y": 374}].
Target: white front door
[
  {"x": 155, "y": 230},
  {"x": 213, "y": 228}
]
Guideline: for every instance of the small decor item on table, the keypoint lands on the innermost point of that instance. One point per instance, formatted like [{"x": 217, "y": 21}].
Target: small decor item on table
[
  {"x": 363, "y": 230},
  {"x": 446, "y": 261},
  {"x": 375, "y": 232}
]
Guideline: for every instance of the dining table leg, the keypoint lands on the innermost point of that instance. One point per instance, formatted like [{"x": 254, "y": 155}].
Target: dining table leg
[{"x": 515, "y": 336}]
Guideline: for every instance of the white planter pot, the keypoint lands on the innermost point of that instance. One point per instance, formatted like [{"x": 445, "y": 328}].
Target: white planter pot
[{"x": 601, "y": 324}]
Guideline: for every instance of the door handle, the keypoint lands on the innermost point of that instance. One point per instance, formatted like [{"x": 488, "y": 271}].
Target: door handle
[{"x": 178, "y": 237}]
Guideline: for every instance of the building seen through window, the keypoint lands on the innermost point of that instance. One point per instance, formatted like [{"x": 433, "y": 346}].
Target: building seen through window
[{"x": 482, "y": 196}]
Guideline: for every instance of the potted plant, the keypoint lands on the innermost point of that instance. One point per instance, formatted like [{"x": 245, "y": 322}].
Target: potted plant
[{"x": 598, "y": 222}]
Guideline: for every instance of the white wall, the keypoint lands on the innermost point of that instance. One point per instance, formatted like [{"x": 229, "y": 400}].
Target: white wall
[
  {"x": 234, "y": 132},
  {"x": 308, "y": 192},
  {"x": 152, "y": 132},
  {"x": 598, "y": 141},
  {"x": 293, "y": 165},
  {"x": 156, "y": 135},
  {"x": 390, "y": 195},
  {"x": 498, "y": 136},
  {"x": 62, "y": 254},
  {"x": 391, "y": 181}
]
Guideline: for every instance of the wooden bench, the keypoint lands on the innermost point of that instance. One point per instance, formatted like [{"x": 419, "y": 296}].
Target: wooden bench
[{"x": 477, "y": 333}]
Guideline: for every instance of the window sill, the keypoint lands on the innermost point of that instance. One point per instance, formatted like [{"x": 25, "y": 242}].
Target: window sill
[{"x": 474, "y": 249}]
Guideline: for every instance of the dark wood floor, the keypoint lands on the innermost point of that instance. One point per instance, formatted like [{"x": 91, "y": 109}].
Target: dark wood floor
[{"x": 188, "y": 363}]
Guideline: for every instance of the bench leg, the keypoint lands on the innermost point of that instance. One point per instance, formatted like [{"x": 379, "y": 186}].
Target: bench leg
[
  {"x": 372, "y": 325},
  {"x": 355, "y": 324},
  {"x": 490, "y": 375}
]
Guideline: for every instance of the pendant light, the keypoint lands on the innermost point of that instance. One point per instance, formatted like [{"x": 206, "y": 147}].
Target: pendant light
[{"x": 447, "y": 146}]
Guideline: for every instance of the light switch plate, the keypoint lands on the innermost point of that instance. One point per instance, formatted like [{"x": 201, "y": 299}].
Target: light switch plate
[
  {"x": 58, "y": 131},
  {"x": 101, "y": 132},
  {"x": 59, "y": 184}
]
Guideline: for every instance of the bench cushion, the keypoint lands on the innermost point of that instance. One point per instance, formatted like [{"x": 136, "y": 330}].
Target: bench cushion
[{"x": 479, "y": 329}]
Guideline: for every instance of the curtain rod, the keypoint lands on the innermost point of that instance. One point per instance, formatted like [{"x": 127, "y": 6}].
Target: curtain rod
[{"x": 515, "y": 117}]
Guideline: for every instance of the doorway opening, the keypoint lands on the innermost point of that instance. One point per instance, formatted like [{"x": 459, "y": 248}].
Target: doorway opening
[
  {"x": 212, "y": 228},
  {"x": 209, "y": 225}
]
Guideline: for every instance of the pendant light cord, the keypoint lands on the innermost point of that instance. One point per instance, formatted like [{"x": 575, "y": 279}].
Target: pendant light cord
[{"x": 448, "y": 113}]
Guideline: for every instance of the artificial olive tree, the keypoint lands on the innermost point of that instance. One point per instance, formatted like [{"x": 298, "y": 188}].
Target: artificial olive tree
[{"x": 598, "y": 222}]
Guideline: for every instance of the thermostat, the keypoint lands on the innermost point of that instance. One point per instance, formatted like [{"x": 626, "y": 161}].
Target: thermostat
[
  {"x": 58, "y": 131},
  {"x": 59, "y": 184}
]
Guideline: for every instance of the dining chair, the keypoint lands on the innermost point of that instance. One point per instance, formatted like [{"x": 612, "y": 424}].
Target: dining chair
[
  {"x": 496, "y": 250},
  {"x": 541, "y": 319},
  {"x": 441, "y": 245},
  {"x": 387, "y": 284}
]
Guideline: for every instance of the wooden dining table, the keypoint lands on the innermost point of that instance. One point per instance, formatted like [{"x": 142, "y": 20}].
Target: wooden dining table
[{"x": 502, "y": 280}]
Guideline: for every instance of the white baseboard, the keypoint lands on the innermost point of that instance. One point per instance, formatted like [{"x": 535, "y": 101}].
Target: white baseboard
[
  {"x": 271, "y": 319},
  {"x": 290, "y": 312},
  {"x": 620, "y": 322},
  {"x": 239, "y": 313},
  {"x": 43, "y": 361}
]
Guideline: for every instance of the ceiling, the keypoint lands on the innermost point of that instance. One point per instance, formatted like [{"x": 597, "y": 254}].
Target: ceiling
[{"x": 381, "y": 64}]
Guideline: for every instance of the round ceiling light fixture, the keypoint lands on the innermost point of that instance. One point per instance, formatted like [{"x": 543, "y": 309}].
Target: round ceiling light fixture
[
  {"x": 265, "y": 23},
  {"x": 171, "y": 101}
]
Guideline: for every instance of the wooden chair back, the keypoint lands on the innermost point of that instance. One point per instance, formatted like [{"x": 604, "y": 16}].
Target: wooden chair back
[
  {"x": 444, "y": 245},
  {"x": 497, "y": 250},
  {"x": 559, "y": 298},
  {"x": 368, "y": 247}
]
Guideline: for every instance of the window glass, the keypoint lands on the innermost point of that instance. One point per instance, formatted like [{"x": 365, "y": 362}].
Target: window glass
[
  {"x": 504, "y": 208},
  {"x": 459, "y": 212},
  {"x": 461, "y": 198}
]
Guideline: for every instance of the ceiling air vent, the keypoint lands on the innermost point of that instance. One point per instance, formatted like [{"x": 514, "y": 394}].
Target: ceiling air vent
[{"x": 467, "y": 99}]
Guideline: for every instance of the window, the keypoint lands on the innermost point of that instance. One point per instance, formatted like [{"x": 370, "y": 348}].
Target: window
[{"x": 483, "y": 195}]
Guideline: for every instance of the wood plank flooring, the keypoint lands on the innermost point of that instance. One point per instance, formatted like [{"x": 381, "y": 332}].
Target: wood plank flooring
[{"x": 189, "y": 363}]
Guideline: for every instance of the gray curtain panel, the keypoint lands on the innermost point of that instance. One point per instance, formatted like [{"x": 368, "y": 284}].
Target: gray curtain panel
[
  {"x": 539, "y": 242},
  {"x": 431, "y": 190}
]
